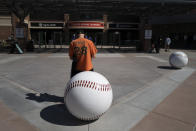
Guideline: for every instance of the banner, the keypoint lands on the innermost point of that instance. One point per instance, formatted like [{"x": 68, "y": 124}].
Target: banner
[{"x": 86, "y": 25}]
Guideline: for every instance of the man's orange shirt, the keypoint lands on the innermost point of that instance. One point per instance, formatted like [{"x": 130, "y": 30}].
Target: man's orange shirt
[{"x": 82, "y": 50}]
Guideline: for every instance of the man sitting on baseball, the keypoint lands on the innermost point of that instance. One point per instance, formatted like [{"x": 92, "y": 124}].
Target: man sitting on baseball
[{"x": 81, "y": 51}]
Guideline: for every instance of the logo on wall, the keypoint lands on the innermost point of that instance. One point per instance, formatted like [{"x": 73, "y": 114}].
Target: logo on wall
[{"x": 40, "y": 24}]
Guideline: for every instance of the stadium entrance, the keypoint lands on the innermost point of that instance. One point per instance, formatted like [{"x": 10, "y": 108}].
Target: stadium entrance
[
  {"x": 93, "y": 30},
  {"x": 47, "y": 34}
]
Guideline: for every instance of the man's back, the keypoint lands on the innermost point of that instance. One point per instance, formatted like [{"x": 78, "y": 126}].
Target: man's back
[{"x": 81, "y": 51}]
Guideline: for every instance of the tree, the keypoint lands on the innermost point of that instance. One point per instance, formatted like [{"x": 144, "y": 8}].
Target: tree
[{"x": 20, "y": 8}]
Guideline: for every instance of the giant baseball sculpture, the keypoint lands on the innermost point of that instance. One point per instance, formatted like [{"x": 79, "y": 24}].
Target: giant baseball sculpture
[
  {"x": 178, "y": 59},
  {"x": 88, "y": 95}
]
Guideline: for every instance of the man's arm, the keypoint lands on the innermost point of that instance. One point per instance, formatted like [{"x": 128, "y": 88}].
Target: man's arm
[{"x": 93, "y": 50}]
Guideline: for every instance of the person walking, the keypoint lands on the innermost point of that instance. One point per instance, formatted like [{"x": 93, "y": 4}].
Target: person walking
[
  {"x": 167, "y": 43},
  {"x": 81, "y": 52}
]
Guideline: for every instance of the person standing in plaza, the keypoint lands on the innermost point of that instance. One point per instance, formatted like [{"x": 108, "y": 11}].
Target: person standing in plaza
[
  {"x": 167, "y": 43},
  {"x": 81, "y": 52},
  {"x": 158, "y": 44},
  {"x": 12, "y": 44}
]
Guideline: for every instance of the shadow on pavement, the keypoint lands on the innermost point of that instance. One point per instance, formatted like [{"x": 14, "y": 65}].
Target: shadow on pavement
[
  {"x": 56, "y": 114},
  {"x": 116, "y": 50},
  {"x": 100, "y": 50},
  {"x": 59, "y": 115},
  {"x": 51, "y": 50},
  {"x": 44, "y": 97},
  {"x": 168, "y": 67}
]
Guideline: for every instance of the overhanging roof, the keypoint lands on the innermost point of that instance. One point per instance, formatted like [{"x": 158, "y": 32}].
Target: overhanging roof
[{"x": 96, "y": 8}]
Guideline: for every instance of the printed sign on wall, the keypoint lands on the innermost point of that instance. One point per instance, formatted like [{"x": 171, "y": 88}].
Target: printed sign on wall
[
  {"x": 19, "y": 32},
  {"x": 148, "y": 34}
]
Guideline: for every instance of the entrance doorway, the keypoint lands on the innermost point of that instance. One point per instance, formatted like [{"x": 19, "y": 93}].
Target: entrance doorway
[
  {"x": 58, "y": 39},
  {"x": 47, "y": 38},
  {"x": 123, "y": 38}
]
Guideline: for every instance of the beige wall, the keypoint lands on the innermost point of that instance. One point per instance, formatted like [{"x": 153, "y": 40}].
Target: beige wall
[
  {"x": 5, "y": 27},
  {"x": 5, "y": 21}
]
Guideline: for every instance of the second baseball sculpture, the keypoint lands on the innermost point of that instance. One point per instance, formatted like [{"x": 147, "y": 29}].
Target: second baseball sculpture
[
  {"x": 88, "y": 95},
  {"x": 178, "y": 59}
]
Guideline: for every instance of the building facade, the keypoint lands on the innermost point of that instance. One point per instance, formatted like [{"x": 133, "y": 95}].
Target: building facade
[{"x": 103, "y": 31}]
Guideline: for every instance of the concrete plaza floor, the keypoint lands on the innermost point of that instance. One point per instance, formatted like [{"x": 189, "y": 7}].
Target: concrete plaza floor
[{"x": 140, "y": 82}]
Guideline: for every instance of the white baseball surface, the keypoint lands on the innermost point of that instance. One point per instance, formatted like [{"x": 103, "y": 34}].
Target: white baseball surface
[
  {"x": 178, "y": 59},
  {"x": 88, "y": 95}
]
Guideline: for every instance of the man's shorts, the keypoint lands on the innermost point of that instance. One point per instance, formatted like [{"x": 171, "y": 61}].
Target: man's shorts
[{"x": 74, "y": 71}]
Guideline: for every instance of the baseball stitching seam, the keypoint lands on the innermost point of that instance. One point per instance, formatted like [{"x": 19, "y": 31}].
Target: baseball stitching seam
[
  {"x": 92, "y": 118},
  {"x": 88, "y": 84}
]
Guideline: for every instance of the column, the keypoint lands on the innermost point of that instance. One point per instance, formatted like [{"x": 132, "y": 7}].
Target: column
[
  {"x": 14, "y": 21},
  {"x": 145, "y": 34},
  {"x": 66, "y": 28},
  {"x": 28, "y": 33},
  {"x": 105, "y": 30}
]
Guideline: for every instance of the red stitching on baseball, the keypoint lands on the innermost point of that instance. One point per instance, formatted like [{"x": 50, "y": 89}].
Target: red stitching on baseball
[
  {"x": 73, "y": 85},
  {"x": 88, "y": 84}
]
